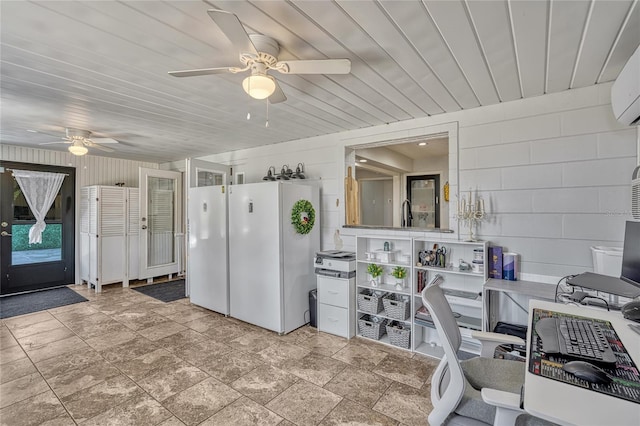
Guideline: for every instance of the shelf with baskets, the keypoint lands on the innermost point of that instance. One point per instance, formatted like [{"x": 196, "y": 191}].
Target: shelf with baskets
[
  {"x": 458, "y": 267},
  {"x": 384, "y": 293}
]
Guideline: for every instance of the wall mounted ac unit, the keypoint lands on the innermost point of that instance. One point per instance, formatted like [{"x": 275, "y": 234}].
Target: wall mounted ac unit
[{"x": 625, "y": 92}]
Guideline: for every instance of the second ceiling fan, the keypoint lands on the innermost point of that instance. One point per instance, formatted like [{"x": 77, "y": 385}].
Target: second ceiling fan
[{"x": 259, "y": 53}]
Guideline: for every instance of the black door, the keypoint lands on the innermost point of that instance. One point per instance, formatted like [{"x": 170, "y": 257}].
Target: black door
[
  {"x": 424, "y": 194},
  {"x": 24, "y": 266}
]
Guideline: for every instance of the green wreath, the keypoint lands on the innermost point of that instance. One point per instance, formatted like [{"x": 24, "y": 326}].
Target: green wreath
[{"x": 303, "y": 216}]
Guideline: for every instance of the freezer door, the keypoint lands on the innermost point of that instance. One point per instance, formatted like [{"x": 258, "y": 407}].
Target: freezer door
[
  {"x": 207, "y": 268},
  {"x": 255, "y": 254}
]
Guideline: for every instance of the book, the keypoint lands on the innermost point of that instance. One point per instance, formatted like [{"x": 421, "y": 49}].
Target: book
[{"x": 495, "y": 262}]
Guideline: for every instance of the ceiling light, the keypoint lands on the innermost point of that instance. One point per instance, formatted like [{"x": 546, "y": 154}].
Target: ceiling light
[
  {"x": 362, "y": 160},
  {"x": 78, "y": 148},
  {"x": 259, "y": 86},
  {"x": 422, "y": 144}
]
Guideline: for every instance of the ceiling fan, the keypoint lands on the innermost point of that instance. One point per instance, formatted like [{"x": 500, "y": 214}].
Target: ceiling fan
[
  {"x": 259, "y": 54},
  {"x": 81, "y": 140}
]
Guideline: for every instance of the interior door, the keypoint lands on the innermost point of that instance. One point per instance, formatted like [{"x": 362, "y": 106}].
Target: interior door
[
  {"x": 207, "y": 265},
  {"x": 28, "y": 267},
  {"x": 160, "y": 197},
  {"x": 424, "y": 194}
]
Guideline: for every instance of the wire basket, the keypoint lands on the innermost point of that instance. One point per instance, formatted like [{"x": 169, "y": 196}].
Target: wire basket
[
  {"x": 369, "y": 302},
  {"x": 372, "y": 330},
  {"x": 399, "y": 334},
  {"x": 395, "y": 307}
]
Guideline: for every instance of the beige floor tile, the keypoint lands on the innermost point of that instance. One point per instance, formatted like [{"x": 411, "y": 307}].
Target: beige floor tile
[
  {"x": 408, "y": 371},
  {"x": 253, "y": 342},
  {"x": 140, "y": 411},
  {"x": 27, "y": 320},
  {"x": 172, "y": 421},
  {"x": 66, "y": 362},
  {"x": 200, "y": 401},
  {"x": 198, "y": 352},
  {"x": 362, "y": 356},
  {"x": 184, "y": 338},
  {"x": 139, "y": 319},
  {"x": 231, "y": 366},
  {"x": 159, "y": 331},
  {"x": 161, "y": 384},
  {"x": 16, "y": 369},
  {"x": 35, "y": 341},
  {"x": 314, "y": 368},
  {"x": 88, "y": 331},
  {"x": 97, "y": 399},
  {"x": 39, "y": 327},
  {"x": 299, "y": 335},
  {"x": 351, "y": 413},
  {"x": 264, "y": 383},
  {"x": 227, "y": 332},
  {"x": 188, "y": 315},
  {"x": 406, "y": 404},
  {"x": 243, "y": 412},
  {"x": 304, "y": 403},
  {"x": 362, "y": 386},
  {"x": 75, "y": 380},
  {"x": 283, "y": 352},
  {"x": 43, "y": 409},
  {"x": 11, "y": 353},
  {"x": 170, "y": 308},
  {"x": 148, "y": 363},
  {"x": 21, "y": 389},
  {"x": 129, "y": 350},
  {"x": 110, "y": 339},
  {"x": 6, "y": 338},
  {"x": 205, "y": 323},
  {"x": 59, "y": 347},
  {"x": 325, "y": 344}
]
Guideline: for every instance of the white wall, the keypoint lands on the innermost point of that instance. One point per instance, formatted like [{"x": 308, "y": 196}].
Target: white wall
[
  {"x": 555, "y": 171},
  {"x": 90, "y": 170}
]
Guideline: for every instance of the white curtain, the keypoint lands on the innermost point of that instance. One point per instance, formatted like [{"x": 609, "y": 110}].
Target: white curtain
[{"x": 40, "y": 190}]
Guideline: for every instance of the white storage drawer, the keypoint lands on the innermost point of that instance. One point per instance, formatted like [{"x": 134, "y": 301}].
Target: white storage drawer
[
  {"x": 333, "y": 320},
  {"x": 333, "y": 291}
]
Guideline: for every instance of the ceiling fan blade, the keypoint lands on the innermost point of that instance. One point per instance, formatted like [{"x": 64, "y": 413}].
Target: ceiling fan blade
[
  {"x": 90, "y": 144},
  {"x": 278, "y": 95},
  {"x": 103, "y": 140},
  {"x": 53, "y": 143},
  {"x": 318, "y": 66},
  {"x": 231, "y": 26},
  {"x": 203, "y": 71}
]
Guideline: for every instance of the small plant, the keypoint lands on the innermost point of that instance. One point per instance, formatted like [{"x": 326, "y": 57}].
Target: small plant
[
  {"x": 399, "y": 272},
  {"x": 375, "y": 270}
]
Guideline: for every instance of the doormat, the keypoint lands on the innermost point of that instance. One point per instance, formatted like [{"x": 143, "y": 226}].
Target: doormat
[
  {"x": 20, "y": 304},
  {"x": 166, "y": 292}
]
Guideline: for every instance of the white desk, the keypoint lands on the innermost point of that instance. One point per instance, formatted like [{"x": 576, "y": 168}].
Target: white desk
[{"x": 570, "y": 405}]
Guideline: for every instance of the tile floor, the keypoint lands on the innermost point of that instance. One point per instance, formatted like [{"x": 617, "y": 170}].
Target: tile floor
[{"x": 125, "y": 358}]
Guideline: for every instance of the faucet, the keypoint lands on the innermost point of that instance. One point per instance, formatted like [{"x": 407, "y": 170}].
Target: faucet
[{"x": 406, "y": 214}]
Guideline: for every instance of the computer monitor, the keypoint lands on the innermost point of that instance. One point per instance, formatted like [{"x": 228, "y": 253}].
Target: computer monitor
[{"x": 631, "y": 254}]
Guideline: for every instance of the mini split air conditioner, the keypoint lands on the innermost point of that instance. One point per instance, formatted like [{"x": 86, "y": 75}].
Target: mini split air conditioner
[{"x": 625, "y": 92}]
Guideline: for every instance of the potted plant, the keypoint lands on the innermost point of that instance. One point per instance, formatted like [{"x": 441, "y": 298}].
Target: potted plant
[
  {"x": 375, "y": 271},
  {"x": 399, "y": 273}
]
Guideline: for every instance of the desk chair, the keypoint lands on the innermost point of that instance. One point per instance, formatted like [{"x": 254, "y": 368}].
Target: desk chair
[{"x": 478, "y": 391}]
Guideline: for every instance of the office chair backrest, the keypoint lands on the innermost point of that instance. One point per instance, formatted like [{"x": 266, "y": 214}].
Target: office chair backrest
[{"x": 447, "y": 383}]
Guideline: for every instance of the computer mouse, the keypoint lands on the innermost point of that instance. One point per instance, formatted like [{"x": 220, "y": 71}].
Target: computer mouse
[
  {"x": 586, "y": 371},
  {"x": 631, "y": 310}
]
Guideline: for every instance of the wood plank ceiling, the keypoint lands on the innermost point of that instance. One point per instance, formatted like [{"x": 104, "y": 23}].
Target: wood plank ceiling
[{"x": 102, "y": 66}]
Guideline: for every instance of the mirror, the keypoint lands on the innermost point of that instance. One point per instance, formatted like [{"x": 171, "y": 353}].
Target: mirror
[{"x": 401, "y": 182}]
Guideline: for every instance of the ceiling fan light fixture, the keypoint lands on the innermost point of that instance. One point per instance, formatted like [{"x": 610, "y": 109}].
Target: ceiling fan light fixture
[
  {"x": 259, "y": 86},
  {"x": 78, "y": 148}
]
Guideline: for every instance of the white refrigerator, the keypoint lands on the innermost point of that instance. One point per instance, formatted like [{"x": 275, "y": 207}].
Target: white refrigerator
[
  {"x": 271, "y": 265},
  {"x": 207, "y": 269}
]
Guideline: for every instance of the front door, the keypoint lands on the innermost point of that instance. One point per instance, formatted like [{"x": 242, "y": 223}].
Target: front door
[
  {"x": 424, "y": 194},
  {"x": 28, "y": 267},
  {"x": 160, "y": 195}
]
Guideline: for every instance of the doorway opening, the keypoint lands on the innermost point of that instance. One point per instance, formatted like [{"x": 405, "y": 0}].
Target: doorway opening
[{"x": 28, "y": 267}]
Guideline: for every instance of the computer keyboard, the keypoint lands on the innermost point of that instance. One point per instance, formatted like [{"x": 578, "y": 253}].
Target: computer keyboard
[{"x": 575, "y": 339}]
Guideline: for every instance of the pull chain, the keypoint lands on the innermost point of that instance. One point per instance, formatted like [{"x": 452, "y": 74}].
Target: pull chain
[
  {"x": 249, "y": 103},
  {"x": 267, "y": 123}
]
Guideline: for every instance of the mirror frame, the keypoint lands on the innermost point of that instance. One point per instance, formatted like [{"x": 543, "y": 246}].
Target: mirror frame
[{"x": 449, "y": 129}]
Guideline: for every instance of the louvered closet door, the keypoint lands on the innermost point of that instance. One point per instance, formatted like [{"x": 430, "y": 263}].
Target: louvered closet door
[
  {"x": 133, "y": 233},
  {"x": 160, "y": 198},
  {"x": 84, "y": 234},
  {"x": 111, "y": 234}
]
